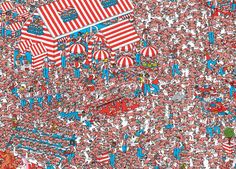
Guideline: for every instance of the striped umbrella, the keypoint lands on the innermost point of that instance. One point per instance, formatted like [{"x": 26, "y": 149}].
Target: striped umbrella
[
  {"x": 127, "y": 48},
  {"x": 149, "y": 51},
  {"x": 101, "y": 55},
  {"x": 125, "y": 61},
  {"x": 77, "y": 48}
]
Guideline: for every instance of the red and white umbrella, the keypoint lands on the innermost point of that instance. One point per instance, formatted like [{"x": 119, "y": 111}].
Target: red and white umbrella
[
  {"x": 127, "y": 48},
  {"x": 101, "y": 55},
  {"x": 77, "y": 48},
  {"x": 100, "y": 39},
  {"x": 125, "y": 61},
  {"x": 149, "y": 51}
]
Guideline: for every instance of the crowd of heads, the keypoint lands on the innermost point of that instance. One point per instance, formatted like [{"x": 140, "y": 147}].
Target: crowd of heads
[{"x": 176, "y": 118}]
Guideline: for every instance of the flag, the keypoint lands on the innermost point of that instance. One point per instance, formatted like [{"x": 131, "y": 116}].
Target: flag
[{"x": 103, "y": 158}]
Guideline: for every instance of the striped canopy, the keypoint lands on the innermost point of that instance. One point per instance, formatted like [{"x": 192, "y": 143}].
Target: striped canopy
[
  {"x": 77, "y": 48},
  {"x": 125, "y": 62},
  {"x": 149, "y": 51},
  {"x": 101, "y": 55}
]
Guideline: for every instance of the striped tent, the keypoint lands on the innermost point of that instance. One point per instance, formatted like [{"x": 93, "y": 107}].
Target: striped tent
[
  {"x": 89, "y": 13},
  {"x": 6, "y": 6},
  {"x": 14, "y": 27},
  {"x": 116, "y": 36},
  {"x": 24, "y": 45},
  {"x": 22, "y": 11},
  {"x": 39, "y": 53}
]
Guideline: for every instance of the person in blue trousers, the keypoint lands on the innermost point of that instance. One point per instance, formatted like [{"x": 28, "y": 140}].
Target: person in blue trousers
[
  {"x": 58, "y": 97},
  {"x": 211, "y": 62},
  {"x": 221, "y": 71},
  {"x": 233, "y": 8},
  {"x": 155, "y": 88},
  {"x": 209, "y": 131},
  {"x": 139, "y": 154},
  {"x": 63, "y": 62},
  {"x": 175, "y": 69},
  {"x": 23, "y": 103},
  {"x": 124, "y": 148},
  {"x": 40, "y": 101},
  {"x": 21, "y": 60},
  {"x": 138, "y": 59},
  {"x": 70, "y": 157},
  {"x": 139, "y": 132},
  {"x": 28, "y": 57},
  {"x": 217, "y": 129},
  {"x": 144, "y": 41},
  {"x": 176, "y": 153},
  {"x": 146, "y": 85},
  {"x": 232, "y": 90},
  {"x": 49, "y": 99},
  {"x": 77, "y": 72},
  {"x": 31, "y": 102},
  {"x": 46, "y": 72},
  {"x": 88, "y": 123},
  {"x": 211, "y": 37},
  {"x": 112, "y": 160},
  {"x": 14, "y": 92}
]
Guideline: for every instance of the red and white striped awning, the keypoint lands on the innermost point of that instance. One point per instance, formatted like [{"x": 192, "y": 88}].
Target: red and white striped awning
[
  {"x": 38, "y": 49},
  {"x": 89, "y": 13},
  {"x": 14, "y": 26},
  {"x": 24, "y": 45},
  {"x": 149, "y": 51},
  {"x": 21, "y": 10},
  {"x": 127, "y": 48},
  {"x": 120, "y": 34},
  {"x": 5, "y": 6},
  {"x": 228, "y": 148},
  {"x": 103, "y": 158},
  {"x": 125, "y": 61},
  {"x": 101, "y": 55},
  {"x": 77, "y": 48},
  {"x": 38, "y": 61}
]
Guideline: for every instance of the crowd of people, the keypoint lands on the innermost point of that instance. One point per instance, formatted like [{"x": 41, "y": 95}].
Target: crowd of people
[{"x": 173, "y": 115}]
